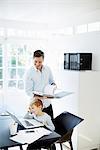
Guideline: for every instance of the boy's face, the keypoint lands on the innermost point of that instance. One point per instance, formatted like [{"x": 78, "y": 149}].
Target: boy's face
[
  {"x": 35, "y": 109},
  {"x": 38, "y": 62}
]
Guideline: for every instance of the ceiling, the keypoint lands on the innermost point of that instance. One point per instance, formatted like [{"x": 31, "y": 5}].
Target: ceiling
[{"x": 46, "y": 11}]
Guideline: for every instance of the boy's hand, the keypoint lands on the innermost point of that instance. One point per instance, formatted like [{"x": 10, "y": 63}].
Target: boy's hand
[{"x": 30, "y": 109}]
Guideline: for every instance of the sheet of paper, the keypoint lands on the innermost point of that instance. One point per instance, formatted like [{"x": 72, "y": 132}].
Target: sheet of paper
[
  {"x": 49, "y": 89},
  {"x": 30, "y": 135},
  {"x": 42, "y": 130},
  {"x": 26, "y": 137}
]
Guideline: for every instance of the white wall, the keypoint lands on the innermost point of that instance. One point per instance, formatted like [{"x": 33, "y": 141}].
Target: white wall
[
  {"x": 89, "y": 102},
  {"x": 87, "y": 42}
]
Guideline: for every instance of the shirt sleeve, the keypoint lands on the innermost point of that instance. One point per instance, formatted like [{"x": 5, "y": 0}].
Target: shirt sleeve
[
  {"x": 49, "y": 124},
  {"x": 51, "y": 79},
  {"x": 29, "y": 84}
]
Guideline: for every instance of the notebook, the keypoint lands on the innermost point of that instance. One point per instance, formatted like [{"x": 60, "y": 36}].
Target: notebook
[{"x": 26, "y": 123}]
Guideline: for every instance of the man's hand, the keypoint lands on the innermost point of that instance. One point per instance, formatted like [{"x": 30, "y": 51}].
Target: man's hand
[{"x": 40, "y": 97}]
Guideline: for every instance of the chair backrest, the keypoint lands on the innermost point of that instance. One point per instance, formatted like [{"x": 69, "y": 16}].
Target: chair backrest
[{"x": 65, "y": 122}]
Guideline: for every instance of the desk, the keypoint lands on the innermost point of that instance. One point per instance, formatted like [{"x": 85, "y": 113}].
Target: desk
[{"x": 5, "y": 142}]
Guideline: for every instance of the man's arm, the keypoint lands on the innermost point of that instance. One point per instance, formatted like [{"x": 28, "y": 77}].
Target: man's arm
[
  {"x": 51, "y": 79},
  {"x": 49, "y": 124}
]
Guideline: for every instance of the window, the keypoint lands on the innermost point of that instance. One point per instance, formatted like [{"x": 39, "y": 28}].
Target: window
[
  {"x": 16, "y": 51},
  {"x": 18, "y": 57},
  {"x": 14, "y": 60},
  {"x": 1, "y": 66},
  {"x": 81, "y": 29},
  {"x": 2, "y": 31},
  {"x": 94, "y": 26},
  {"x": 69, "y": 30},
  {"x": 63, "y": 31}
]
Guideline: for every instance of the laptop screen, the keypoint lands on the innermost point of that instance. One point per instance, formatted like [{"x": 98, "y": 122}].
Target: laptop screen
[{"x": 14, "y": 118}]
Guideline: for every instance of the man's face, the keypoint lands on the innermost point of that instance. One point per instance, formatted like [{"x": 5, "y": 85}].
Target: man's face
[{"x": 38, "y": 62}]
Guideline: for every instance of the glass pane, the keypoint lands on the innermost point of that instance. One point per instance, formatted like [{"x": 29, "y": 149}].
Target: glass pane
[
  {"x": 95, "y": 26},
  {"x": 0, "y": 49},
  {"x": 12, "y": 84},
  {"x": 12, "y": 73},
  {"x": 20, "y": 33},
  {"x": 11, "y": 32},
  {"x": 20, "y": 84},
  {"x": 12, "y": 50},
  {"x": 1, "y": 73},
  {"x": 12, "y": 62},
  {"x": 21, "y": 60},
  {"x": 0, "y": 61},
  {"x": 1, "y": 84},
  {"x": 21, "y": 73},
  {"x": 1, "y": 31},
  {"x": 69, "y": 30},
  {"x": 20, "y": 51},
  {"x": 81, "y": 28}
]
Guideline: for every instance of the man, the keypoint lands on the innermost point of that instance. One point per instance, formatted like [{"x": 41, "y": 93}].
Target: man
[{"x": 37, "y": 77}]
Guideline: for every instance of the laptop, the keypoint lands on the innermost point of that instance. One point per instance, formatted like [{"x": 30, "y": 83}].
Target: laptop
[{"x": 26, "y": 123}]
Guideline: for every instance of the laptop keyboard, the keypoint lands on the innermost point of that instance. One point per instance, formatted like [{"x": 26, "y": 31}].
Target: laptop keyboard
[{"x": 28, "y": 123}]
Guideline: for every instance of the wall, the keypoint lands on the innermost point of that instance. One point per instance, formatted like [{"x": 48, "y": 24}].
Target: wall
[
  {"x": 87, "y": 42},
  {"x": 68, "y": 103},
  {"x": 89, "y": 102}
]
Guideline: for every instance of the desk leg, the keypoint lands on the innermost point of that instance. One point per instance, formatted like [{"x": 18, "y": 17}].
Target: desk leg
[{"x": 21, "y": 148}]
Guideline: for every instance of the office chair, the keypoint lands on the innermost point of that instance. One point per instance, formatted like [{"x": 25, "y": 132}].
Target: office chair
[
  {"x": 64, "y": 125},
  {"x": 46, "y": 143}
]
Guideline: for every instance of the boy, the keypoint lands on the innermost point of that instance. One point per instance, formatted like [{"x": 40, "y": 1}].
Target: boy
[{"x": 35, "y": 111}]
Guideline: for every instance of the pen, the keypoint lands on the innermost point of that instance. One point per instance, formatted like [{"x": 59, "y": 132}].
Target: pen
[{"x": 29, "y": 131}]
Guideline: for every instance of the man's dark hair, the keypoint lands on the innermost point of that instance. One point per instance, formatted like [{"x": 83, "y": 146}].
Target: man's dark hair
[{"x": 38, "y": 53}]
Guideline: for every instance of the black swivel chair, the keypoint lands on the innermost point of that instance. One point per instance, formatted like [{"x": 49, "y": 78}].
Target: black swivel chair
[{"x": 64, "y": 125}]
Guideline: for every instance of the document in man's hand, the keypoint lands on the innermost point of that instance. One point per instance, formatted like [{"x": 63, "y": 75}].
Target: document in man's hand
[
  {"x": 30, "y": 135},
  {"x": 50, "y": 91}
]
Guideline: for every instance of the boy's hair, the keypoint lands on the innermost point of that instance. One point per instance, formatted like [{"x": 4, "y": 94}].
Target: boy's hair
[
  {"x": 38, "y": 53},
  {"x": 37, "y": 102}
]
